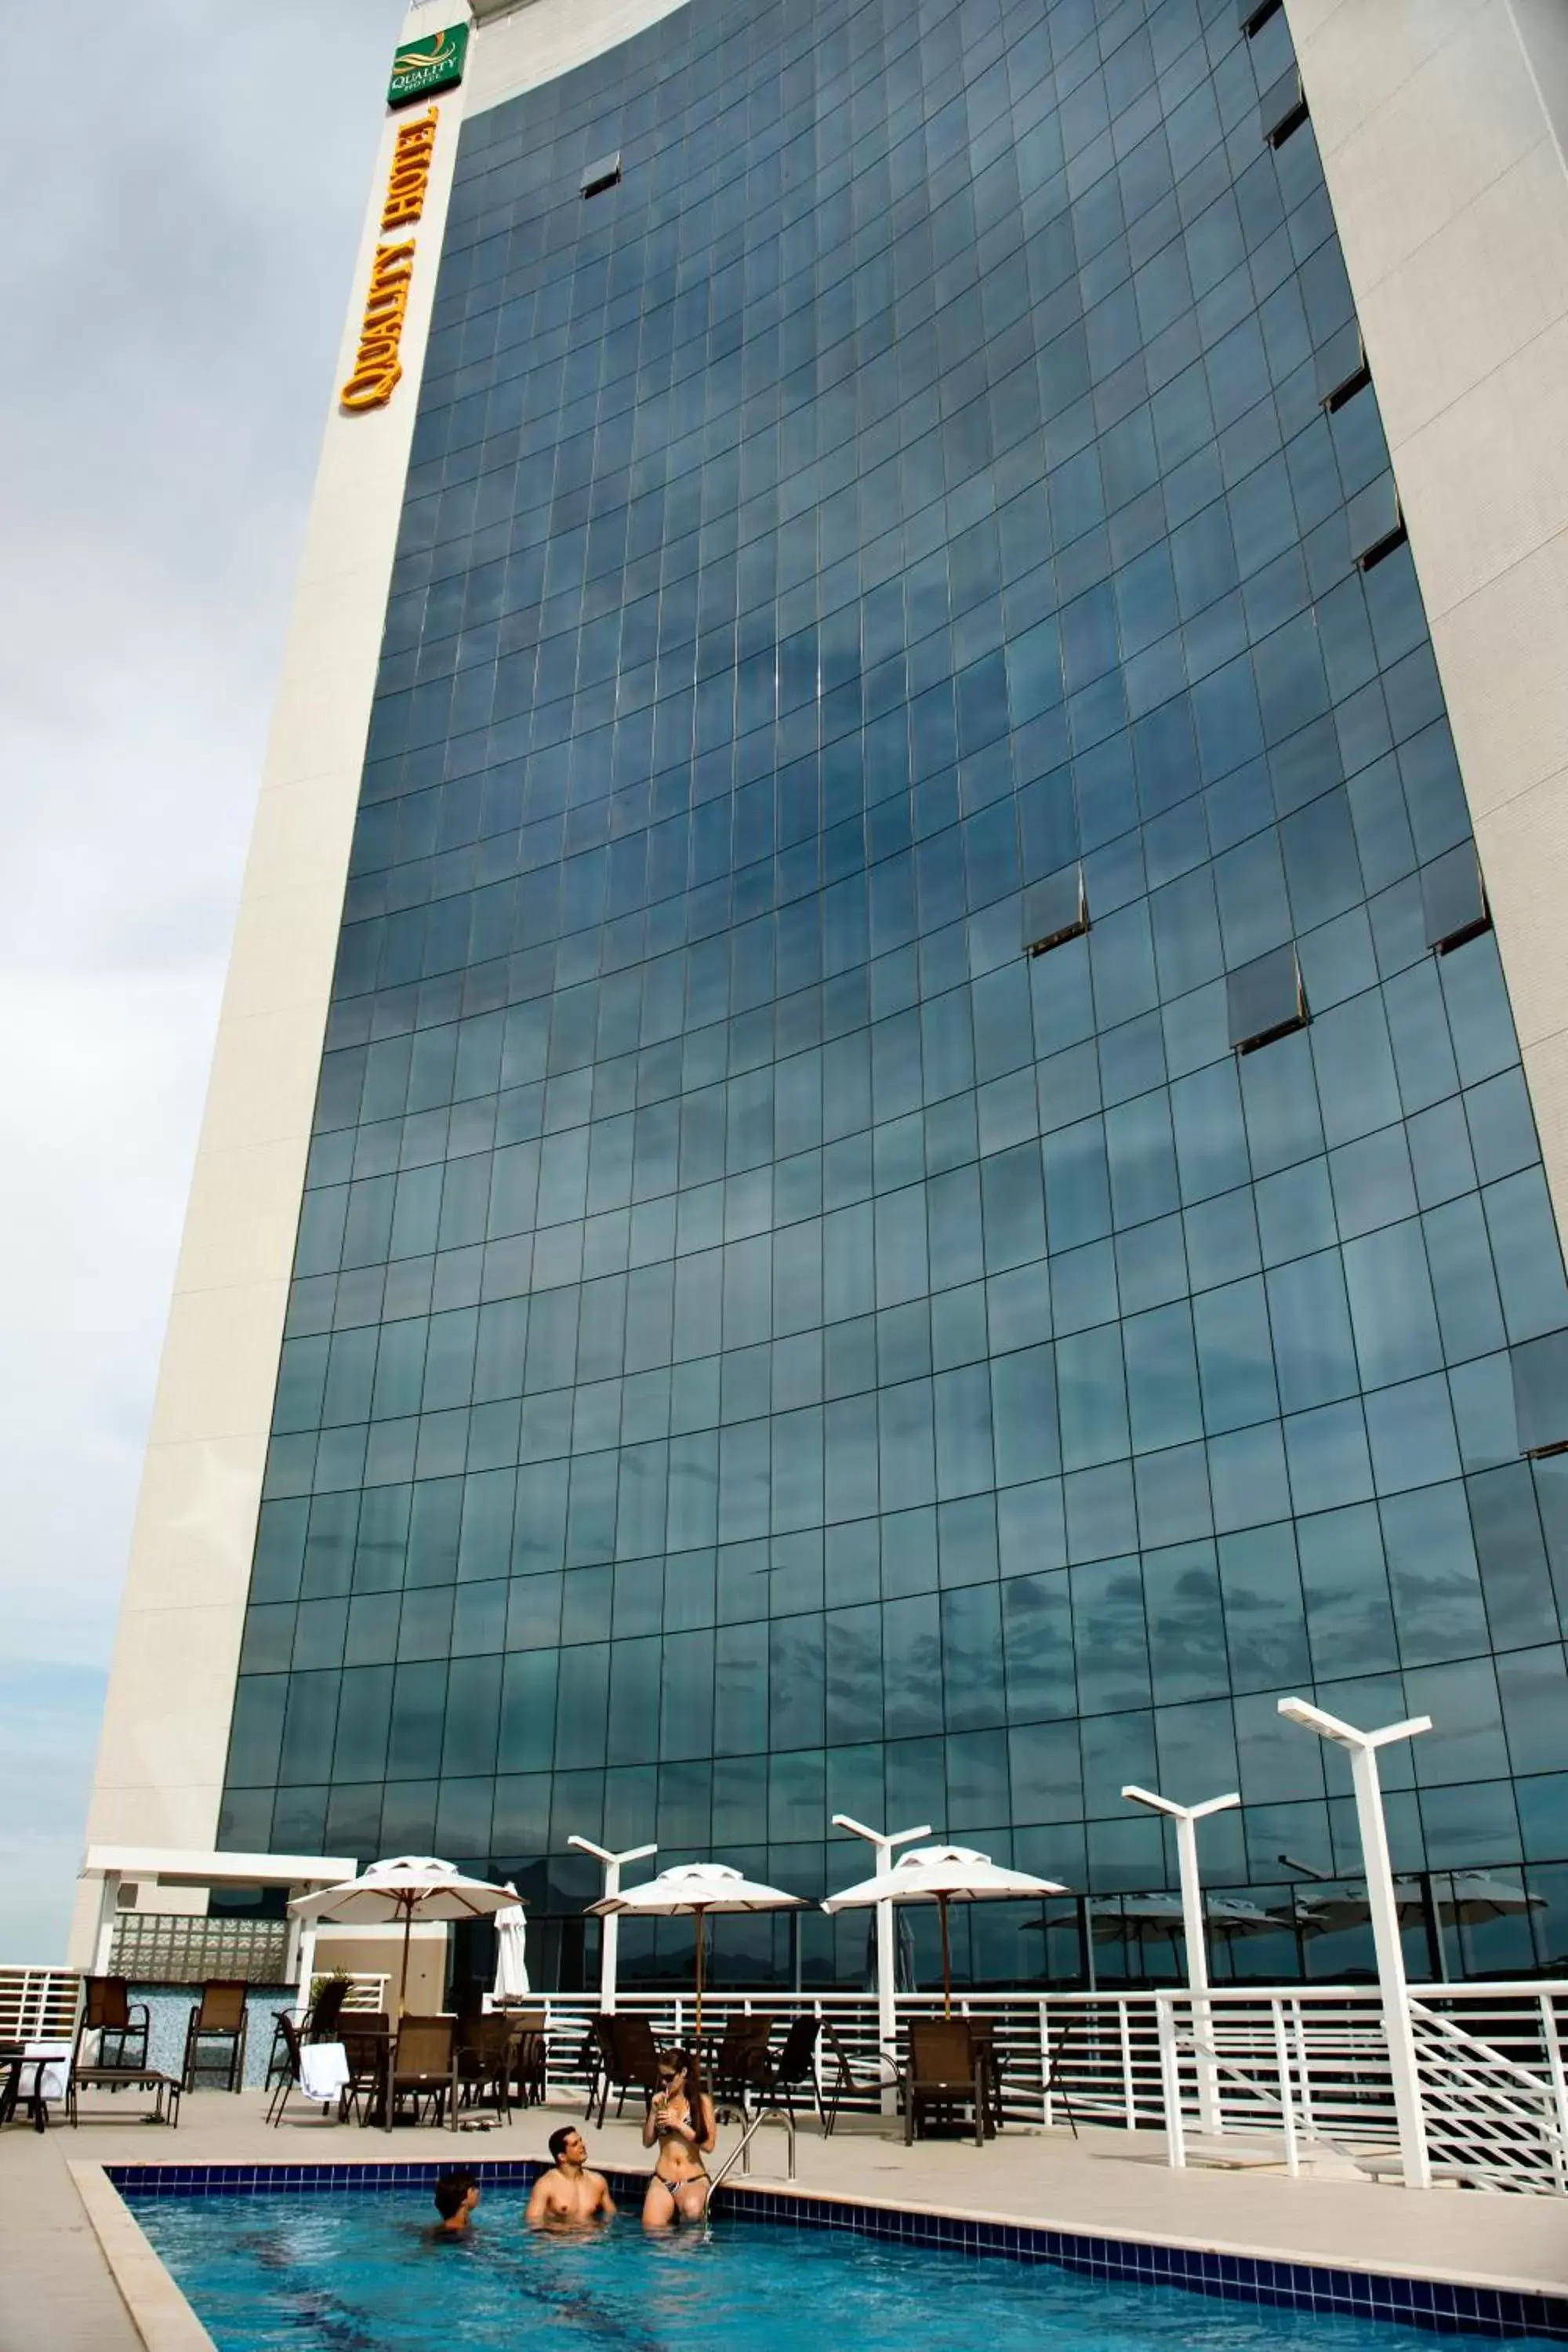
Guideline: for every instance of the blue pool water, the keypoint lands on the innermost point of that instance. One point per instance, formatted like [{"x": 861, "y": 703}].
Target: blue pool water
[{"x": 272, "y": 2273}]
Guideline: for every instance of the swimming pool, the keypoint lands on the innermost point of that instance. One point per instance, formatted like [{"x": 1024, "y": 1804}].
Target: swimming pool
[{"x": 282, "y": 2273}]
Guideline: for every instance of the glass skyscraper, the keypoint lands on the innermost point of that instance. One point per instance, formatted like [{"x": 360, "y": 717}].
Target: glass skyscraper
[{"x": 923, "y": 1195}]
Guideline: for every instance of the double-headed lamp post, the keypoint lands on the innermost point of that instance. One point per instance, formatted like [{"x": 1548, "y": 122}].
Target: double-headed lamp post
[
  {"x": 609, "y": 1925},
  {"x": 1187, "y": 1818},
  {"x": 1383, "y": 1908},
  {"x": 883, "y": 1843}
]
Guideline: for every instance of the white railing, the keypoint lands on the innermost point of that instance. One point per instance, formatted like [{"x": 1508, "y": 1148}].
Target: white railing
[
  {"x": 366, "y": 1989},
  {"x": 1308, "y": 2071},
  {"x": 1493, "y": 2117},
  {"x": 1293, "y": 2070},
  {"x": 1295, "y": 2073},
  {"x": 38, "y": 2004}
]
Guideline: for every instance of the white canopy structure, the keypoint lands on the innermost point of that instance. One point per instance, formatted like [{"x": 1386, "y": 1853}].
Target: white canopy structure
[
  {"x": 414, "y": 1887},
  {"x": 694, "y": 1888},
  {"x": 943, "y": 1874}
]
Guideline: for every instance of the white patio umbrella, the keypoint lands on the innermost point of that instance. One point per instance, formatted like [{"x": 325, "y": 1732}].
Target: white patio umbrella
[
  {"x": 697, "y": 1888},
  {"x": 414, "y": 1887},
  {"x": 511, "y": 1952},
  {"x": 1472, "y": 1898},
  {"x": 943, "y": 1874}
]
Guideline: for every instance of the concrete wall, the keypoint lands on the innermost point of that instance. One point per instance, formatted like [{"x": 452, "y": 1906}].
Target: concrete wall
[
  {"x": 158, "y": 1778},
  {"x": 165, "y": 1732},
  {"x": 1441, "y": 127}
]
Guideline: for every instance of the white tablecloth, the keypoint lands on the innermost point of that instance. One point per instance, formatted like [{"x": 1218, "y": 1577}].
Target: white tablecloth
[
  {"x": 52, "y": 2078},
  {"x": 323, "y": 2070}
]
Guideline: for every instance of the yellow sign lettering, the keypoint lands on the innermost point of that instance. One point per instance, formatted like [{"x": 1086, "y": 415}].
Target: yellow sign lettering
[
  {"x": 377, "y": 370},
  {"x": 411, "y": 160}
]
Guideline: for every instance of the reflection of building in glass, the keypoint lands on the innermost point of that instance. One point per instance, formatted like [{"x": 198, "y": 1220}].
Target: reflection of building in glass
[{"x": 923, "y": 1187}]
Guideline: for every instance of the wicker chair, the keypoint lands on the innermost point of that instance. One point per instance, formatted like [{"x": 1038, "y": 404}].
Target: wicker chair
[
  {"x": 425, "y": 2066},
  {"x": 120, "y": 2022},
  {"x": 219, "y": 2016},
  {"x": 947, "y": 2070}
]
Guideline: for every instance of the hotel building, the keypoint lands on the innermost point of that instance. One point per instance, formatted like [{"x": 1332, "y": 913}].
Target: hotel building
[{"x": 891, "y": 1118}]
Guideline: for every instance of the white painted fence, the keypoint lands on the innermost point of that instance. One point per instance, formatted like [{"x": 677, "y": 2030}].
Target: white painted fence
[{"x": 1289, "y": 2070}]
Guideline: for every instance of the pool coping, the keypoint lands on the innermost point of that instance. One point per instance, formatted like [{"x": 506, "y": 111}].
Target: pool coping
[
  {"x": 159, "y": 2311},
  {"x": 1439, "y": 2301}
]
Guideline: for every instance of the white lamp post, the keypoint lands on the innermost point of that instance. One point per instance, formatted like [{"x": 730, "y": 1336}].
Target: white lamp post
[
  {"x": 609, "y": 1922},
  {"x": 1187, "y": 1818},
  {"x": 887, "y": 1936},
  {"x": 1384, "y": 1911}
]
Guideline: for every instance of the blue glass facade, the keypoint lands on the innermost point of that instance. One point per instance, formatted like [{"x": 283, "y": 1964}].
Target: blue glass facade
[{"x": 765, "y": 1342}]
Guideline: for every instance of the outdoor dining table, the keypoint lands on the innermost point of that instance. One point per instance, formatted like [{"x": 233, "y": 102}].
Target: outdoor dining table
[{"x": 14, "y": 2061}]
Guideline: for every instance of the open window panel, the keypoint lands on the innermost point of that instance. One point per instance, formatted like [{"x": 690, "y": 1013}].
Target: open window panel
[
  {"x": 1054, "y": 910},
  {"x": 1539, "y": 1369},
  {"x": 1454, "y": 899},
  {"x": 1342, "y": 368},
  {"x": 1264, "y": 1000},
  {"x": 605, "y": 174},
  {"x": 1282, "y": 109}
]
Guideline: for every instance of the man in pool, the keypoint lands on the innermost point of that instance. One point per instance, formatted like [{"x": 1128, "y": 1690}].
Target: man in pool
[
  {"x": 569, "y": 2194},
  {"x": 457, "y": 2194}
]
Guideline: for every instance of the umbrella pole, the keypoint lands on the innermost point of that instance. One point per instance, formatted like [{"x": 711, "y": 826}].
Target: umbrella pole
[
  {"x": 697, "y": 2029},
  {"x": 403, "y": 1980},
  {"x": 946, "y": 1960}
]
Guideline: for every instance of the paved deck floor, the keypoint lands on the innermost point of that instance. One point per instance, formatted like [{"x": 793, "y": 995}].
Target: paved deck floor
[{"x": 57, "y": 2294}]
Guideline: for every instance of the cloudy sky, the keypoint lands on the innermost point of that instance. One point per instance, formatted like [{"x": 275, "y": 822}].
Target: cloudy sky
[{"x": 194, "y": 184}]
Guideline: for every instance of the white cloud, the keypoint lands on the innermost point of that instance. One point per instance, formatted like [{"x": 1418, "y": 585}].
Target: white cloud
[{"x": 194, "y": 184}]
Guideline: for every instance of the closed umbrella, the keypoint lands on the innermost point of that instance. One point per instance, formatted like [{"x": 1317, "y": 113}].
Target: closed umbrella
[
  {"x": 414, "y": 1887},
  {"x": 511, "y": 1952},
  {"x": 694, "y": 1888},
  {"x": 943, "y": 1874}
]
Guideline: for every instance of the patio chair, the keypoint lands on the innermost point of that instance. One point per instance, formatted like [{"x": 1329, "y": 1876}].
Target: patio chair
[
  {"x": 119, "y": 2023},
  {"x": 320, "y": 2024},
  {"x": 596, "y": 2058},
  {"x": 324, "y": 2022},
  {"x": 219, "y": 2016},
  {"x": 530, "y": 2055},
  {"x": 485, "y": 2046},
  {"x": 425, "y": 2066},
  {"x": 740, "y": 2064},
  {"x": 366, "y": 2036},
  {"x": 848, "y": 2081},
  {"x": 794, "y": 2066},
  {"x": 982, "y": 2033},
  {"x": 947, "y": 2070},
  {"x": 298, "y": 2054},
  {"x": 628, "y": 2060}
]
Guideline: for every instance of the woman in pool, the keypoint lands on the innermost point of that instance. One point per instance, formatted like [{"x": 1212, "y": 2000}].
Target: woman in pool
[{"x": 679, "y": 2120}]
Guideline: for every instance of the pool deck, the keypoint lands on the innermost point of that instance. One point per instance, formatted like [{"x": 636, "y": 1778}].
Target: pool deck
[{"x": 57, "y": 2293}]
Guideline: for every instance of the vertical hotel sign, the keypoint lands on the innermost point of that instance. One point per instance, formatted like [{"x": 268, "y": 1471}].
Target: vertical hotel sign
[{"x": 418, "y": 67}]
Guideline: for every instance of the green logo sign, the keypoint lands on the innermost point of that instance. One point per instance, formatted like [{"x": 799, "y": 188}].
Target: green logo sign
[{"x": 421, "y": 67}]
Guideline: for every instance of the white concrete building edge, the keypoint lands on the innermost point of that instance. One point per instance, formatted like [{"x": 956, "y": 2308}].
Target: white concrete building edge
[
  {"x": 164, "y": 1741},
  {"x": 1442, "y": 129},
  {"x": 162, "y": 1754}
]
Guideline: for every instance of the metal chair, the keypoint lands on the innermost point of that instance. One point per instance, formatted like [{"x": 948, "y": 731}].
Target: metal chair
[
  {"x": 425, "y": 2066},
  {"x": 367, "y": 2036},
  {"x": 485, "y": 2049},
  {"x": 947, "y": 2070},
  {"x": 740, "y": 2064},
  {"x": 530, "y": 2056},
  {"x": 794, "y": 2065},
  {"x": 109, "y": 2011},
  {"x": 627, "y": 2059},
  {"x": 847, "y": 2082},
  {"x": 219, "y": 2016}
]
